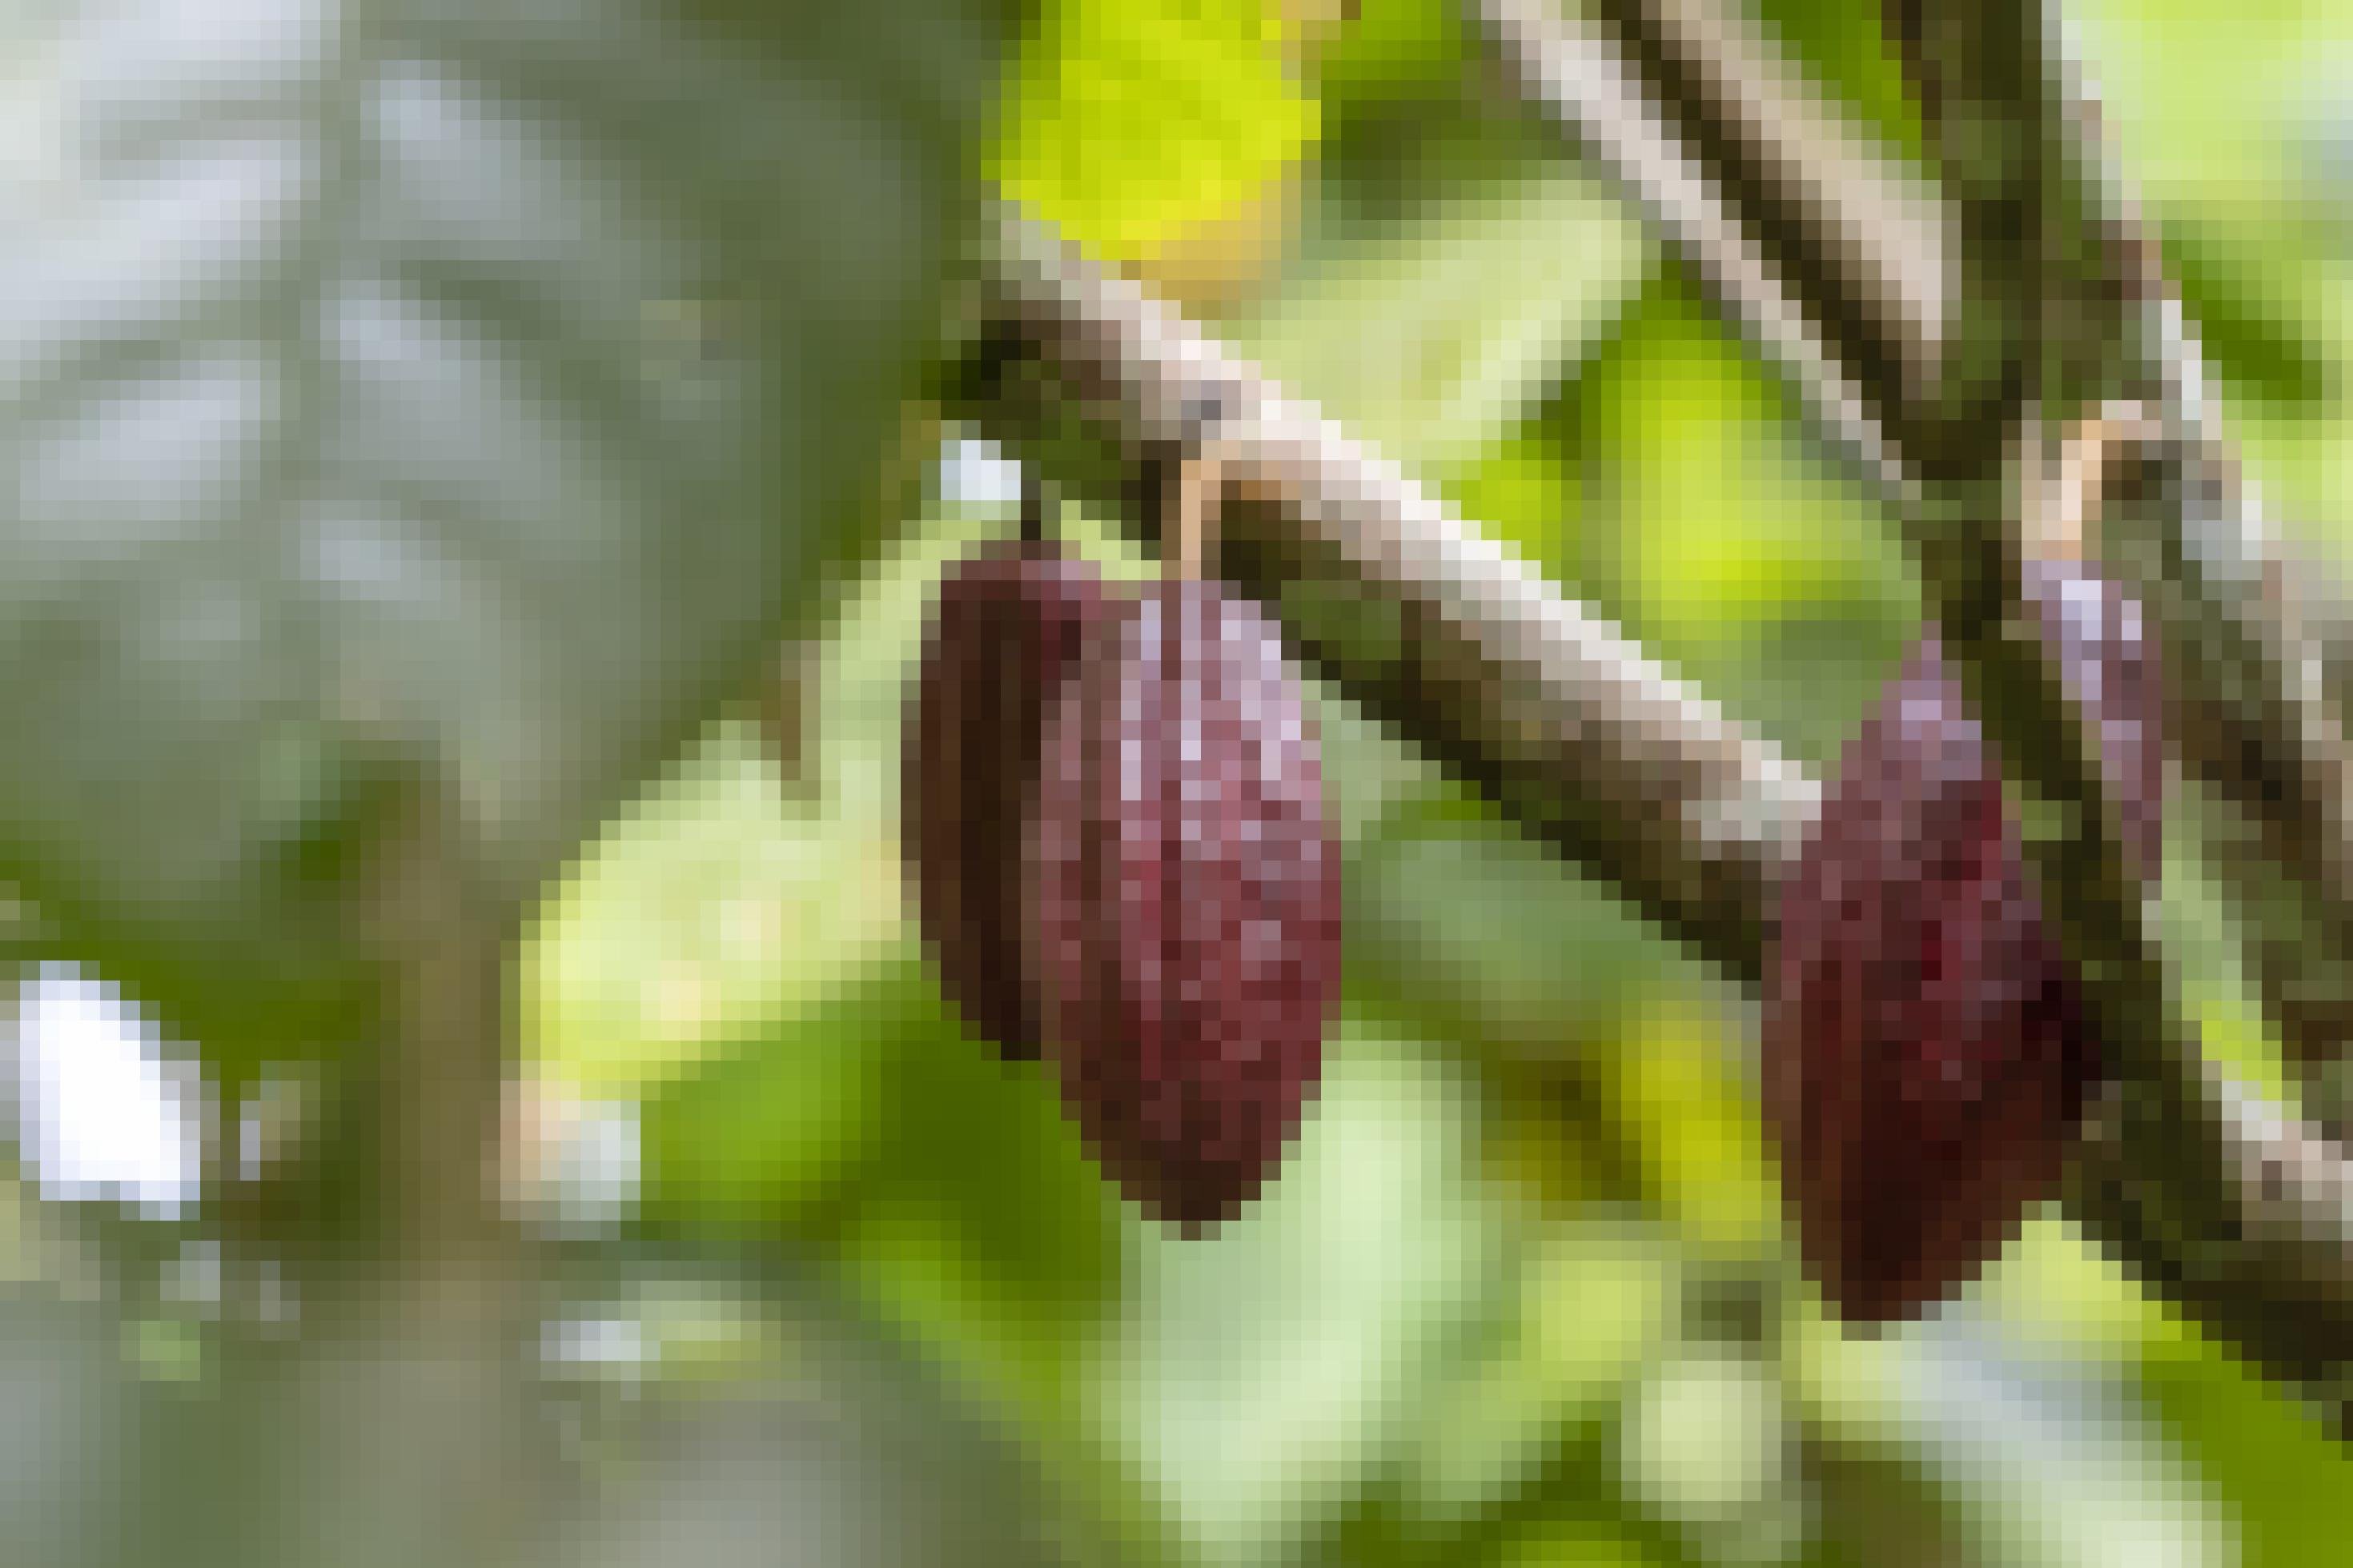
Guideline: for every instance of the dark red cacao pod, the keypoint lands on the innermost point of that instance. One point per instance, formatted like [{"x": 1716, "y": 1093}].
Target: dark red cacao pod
[
  {"x": 1186, "y": 902},
  {"x": 1927, "y": 1056},
  {"x": 1006, "y": 630}
]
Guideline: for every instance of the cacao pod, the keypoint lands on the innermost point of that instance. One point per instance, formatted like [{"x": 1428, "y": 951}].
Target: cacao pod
[
  {"x": 1009, "y": 622},
  {"x": 1186, "y": 902},
  {"x": 1927, "y": 1055}
]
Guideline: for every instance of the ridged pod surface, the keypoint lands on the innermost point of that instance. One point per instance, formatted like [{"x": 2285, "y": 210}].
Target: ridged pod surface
[
  {"x": 1008, "y": 626},
  {"x": 1186, "y": 902},
  {"x": 1927, "y": 1055}
]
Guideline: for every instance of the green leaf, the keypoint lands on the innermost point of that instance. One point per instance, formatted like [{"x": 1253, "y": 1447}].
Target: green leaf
[
  {"x": 809, "y": 1435},
  {"x": 947, "y": 1185},
  {"x": 1675, "y": 1087},
  {"x": 1272, "y": 1364},
  {"x": 2233, "y": 293},
  {"x": 2281, "y": 1477},
  {"x": 2053, "y": 1464},
  {"x": 1134, "y": 118},
  {"x": 711, "y": 909},
  {"x": 1477, "y": 934},
  {"x": 462, "y": 391},
  {"x": 1739, "y": 557},
  {"x": 765, "y": 1136},
  {"x": 845, "y": 1452},
  {"x": 68, "y": 1425},
  {"x": 1388, "y": 49},
  {"x": 1596, "y": 1298},
  {"x": 1582, "y": 1543},
  {"x": 1706, "y": 1446},
  {"x": 1428, "y": 338},
  {"x": 981, "y": 1225},
  {"x": 1724, "y": 524}
]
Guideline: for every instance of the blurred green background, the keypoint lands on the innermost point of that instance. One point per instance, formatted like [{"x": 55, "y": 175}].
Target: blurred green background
[{"x": 1523, "y": 1295}]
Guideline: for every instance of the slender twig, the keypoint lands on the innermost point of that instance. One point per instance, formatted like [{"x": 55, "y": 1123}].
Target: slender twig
[
  {"x": 1582, "y": 75},
  {"x": 1593, "y": 748},
  {"x": 1856, "y": 241},
  {"x": 2259, "y": 720}
]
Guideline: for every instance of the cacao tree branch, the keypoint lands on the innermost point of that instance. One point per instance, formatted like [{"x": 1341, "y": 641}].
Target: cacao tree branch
[
  {"x": 1834, "y": 266},
  {"x": 2001, "y": 126},
  {"x": 1839, "y": 356},
  {"x": 1474, "y": 656},
  {"x": 1854, "y": 244}
]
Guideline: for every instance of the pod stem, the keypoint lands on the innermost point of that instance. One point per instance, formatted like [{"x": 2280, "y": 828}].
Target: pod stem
[
  {"x": 2087, "y": 455},
  {"x": 1201, "y": 486}
]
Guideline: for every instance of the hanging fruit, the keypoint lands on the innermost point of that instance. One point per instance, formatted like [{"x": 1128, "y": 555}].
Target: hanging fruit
[
  {"x": 1927, "y": 1054},
  {"x": 1007, "y": 631},
  {"x": 1185, "y": 890}
]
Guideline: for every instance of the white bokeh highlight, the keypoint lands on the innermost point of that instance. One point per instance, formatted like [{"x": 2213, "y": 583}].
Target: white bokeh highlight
[{"x": 102, "y": 1112}]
